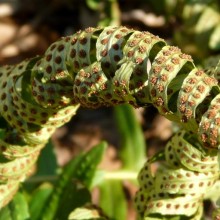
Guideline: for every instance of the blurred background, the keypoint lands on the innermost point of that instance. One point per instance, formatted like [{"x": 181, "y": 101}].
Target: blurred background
[{"x": 28, "y": 27}]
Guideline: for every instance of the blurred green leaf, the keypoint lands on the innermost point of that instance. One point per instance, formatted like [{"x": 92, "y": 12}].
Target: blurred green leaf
[
  {"x": 17, "y": 209},
  {"x": 93, "y": 4},
  {"x": 74, "y": 195},
  {"x": 112, "y": 199},
  {"x": 87, "y": 166},
  {"x": 208, "y": 19},
  {"x": 39, "y": 200},
  {"x": 69, "y": 194},
  {"x": 214, "y": 42},
  {"x": 47, "y": 162},
  {"x": 133, "y": 148}
]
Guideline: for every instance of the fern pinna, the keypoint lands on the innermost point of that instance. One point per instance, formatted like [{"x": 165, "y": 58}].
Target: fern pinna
[{"x": 110, "y": 66}]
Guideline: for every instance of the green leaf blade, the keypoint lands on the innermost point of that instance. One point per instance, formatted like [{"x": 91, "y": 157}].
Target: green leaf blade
[
  {"x": 17, "y": 209},
  {"x": 112, "y": 199},
  {"x": 69, "y": 193},
  {"x": 133, "y": 146}
]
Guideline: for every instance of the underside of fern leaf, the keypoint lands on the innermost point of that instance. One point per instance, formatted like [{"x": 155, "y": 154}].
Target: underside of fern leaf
[{"x": 110, "y": 66}]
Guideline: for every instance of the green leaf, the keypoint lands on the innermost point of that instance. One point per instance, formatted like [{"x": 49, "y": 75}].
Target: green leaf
[
  {"x": 74, "y": 195},
  {"x": 205, "y": 23},
  {"x": 17, "y": 209},
  {"x": 132, "y": 151},
  {"x": 112, "y": 199},
  {"x": 214, "y": 41},
  {"x": 69, "y": 194},
  {"x": 46, "y": 168},
  {"x": 87, "y": 166},
  {"x": 39, "y": 200},
  {"x": 47, "y": 163},
  {"x": 93, "y": 4}
]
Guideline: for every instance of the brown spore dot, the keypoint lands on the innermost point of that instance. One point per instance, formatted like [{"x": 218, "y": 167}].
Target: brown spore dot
[
  {"x": 175, "y": 60},
  {"x": 50, "y": 90},
  {"x": 139, "y": 60},
  {"x": 58, "y": 60},
  {"x": 116, "y": 58},
  {"x": 73, "y": 53},
  {"x": 159, "y": 101},
  {"x": 9, "y": 118},
  {"x": 201, "y": 184},
  {"x": 83, "y": 90},
  {"x": 33, "y": 111},
  {"x": 168, "y": 205},
  {"x": 179, "y": 176},
  {"x": 118, "y": 36},
  {"x": 19, "y": 123},
  {"x": 130, "y": 53},
  {"x": 104, "y": 53},
  {"x": 74, "y": 40},
  {"x": 193, "y": 205},
  {"x": 48, "y": 57},
  {"x": 186, "y": 206},
  {"x": 4, "y": 85},
  {"x": 196, "y": 173},
  {"x": 177, "y": 206},
  {"x": 115, "y": 46},
  {"x": 40, "y": 98},
  {"x": 32, "y": 119},
  {"x": 3, "y": 96},
  {"x": 107, "y": 64},
  {"x": 5, "y": 108},
  {"x": 159, "y": 204},
  {"x": 173, "y": 186},
  {"x": 104, "y": 41},
  {"x": 60, "y": 47},
  {"x": 83, "y": 40},
  {"x": 44, "y": 114},
  {"x": 156, "y": 69},
  {"x": 191, "y": 185},
  {"x": 182, "y": 186},
  {"x": 76, "y": 64},
  {"x": 82, "y": 53},
  {"x": 169, "y": 68},
  {"x": 49, "y": 69},
  {"x": 51, "y": 101}
]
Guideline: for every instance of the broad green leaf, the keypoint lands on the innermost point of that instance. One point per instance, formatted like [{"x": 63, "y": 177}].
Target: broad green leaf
[
  {"x": 133, "y": 148},
  {"x": 17, "y": 209},
  {"x": 39, "y": 200},
  {"x": 69, "y": 194},
  {"x": 74, "y": 195},
  {"x": 112, "y": 199}
]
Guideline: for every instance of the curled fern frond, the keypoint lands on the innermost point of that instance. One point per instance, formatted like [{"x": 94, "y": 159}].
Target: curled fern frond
[
  {"x": 119, "y": 65},
  {"x": 180, "y": 183},
  {"x": 109, "y": 66}
]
